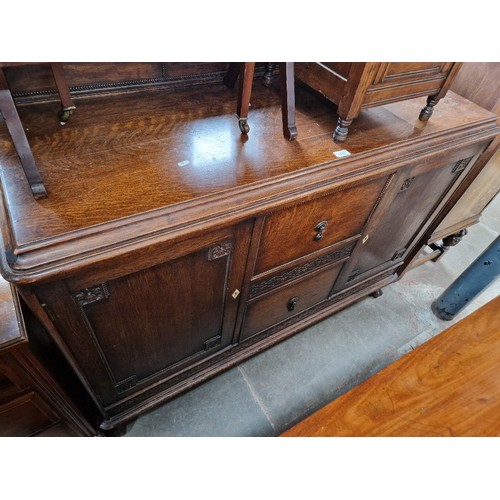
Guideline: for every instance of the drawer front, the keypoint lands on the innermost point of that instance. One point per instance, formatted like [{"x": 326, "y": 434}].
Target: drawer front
[
  {"x": 409, "y": 72},
  {"x": 416, "y": 70},
  {"x": 288, "y": 301},
  {"x": 396, "y": 81},
  {"x": 308, "y": 227}
]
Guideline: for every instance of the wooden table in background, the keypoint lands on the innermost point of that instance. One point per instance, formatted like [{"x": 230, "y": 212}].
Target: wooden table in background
[{"x": 449, "y": 386}]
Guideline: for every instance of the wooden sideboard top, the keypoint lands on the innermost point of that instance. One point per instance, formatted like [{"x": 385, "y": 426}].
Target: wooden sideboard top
[{"x": 161, "y": 160}]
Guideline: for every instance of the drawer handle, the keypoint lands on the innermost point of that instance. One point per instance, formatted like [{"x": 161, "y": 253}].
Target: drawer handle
[
  {"x": 320, "y": 229},
  {"x": 292, "y": 303}
]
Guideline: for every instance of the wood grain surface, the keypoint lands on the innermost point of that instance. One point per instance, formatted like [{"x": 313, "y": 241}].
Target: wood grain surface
[
  {"x": 155, "y": 163},
  {"x": 449, "y": 386}
]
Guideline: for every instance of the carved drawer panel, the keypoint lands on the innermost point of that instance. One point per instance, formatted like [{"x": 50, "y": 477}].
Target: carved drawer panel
[
  {"x": 308, "y": 227},
  {"x": 300, "y": 268},
  {"x": 288, "y": 301}
]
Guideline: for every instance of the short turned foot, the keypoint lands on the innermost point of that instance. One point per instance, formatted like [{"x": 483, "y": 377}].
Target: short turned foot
[
  {"x": 427, "y": 110},
  {"x": 377, "y": 293},
  {"x": 341, "y": 131}
]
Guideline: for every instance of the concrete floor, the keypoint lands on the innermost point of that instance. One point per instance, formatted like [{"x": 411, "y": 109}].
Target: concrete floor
[{"x": 269, "y": 393}]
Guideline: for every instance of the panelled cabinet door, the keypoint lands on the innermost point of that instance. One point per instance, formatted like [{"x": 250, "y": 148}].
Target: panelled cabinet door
[
  {"x": 136, "y": 329},
  {"x": 407, "y": 206}
]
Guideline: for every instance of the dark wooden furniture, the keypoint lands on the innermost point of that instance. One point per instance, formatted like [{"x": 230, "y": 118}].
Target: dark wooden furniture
[
  {"x": 355, "y": 86},
  {"x": 447, "y": 387},
  {"x": 172, "y": 248},
  {"x": 480, "y": 83},
  {"x": 31, "y": 402},
  {"x": 18, "y": 136},
  {"x": 246, "y": 73}
]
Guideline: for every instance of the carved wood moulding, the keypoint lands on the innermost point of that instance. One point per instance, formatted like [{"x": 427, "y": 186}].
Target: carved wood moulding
[
  {"x": 91, "y": 295},
  {"x": 288, "y": 275},
  {"x": 220, "y": 250}
]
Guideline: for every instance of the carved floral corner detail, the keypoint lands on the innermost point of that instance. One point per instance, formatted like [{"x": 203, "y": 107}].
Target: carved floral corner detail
[
  {"x": 406, "y": 184},
  {"x": 220, "y": 250},
  {"x": 91, "y": 295}
]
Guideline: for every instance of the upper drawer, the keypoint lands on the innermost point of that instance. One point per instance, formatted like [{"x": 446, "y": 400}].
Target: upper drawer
[{"x": 311, "y": 226}]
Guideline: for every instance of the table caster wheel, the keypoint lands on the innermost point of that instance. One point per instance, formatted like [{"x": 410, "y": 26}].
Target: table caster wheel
[
  {"x": 64, "y": 114},
  {"x": 244, "y": 127}
]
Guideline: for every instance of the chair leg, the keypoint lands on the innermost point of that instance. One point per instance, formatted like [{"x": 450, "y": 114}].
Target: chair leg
[
  {"x": 20, "y": 141},
  {"x": 287, "y": 81},
  {"x": 244, "y": 94},
  {"x": 67, "y": 106}
]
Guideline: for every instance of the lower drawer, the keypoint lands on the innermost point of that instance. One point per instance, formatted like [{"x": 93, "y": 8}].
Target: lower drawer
[{"x": 288, "y": 301}]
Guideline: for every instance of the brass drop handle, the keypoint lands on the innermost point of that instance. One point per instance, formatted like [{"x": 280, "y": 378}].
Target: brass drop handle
[
  {"x": 320, "y": 229},
  {"x": 292, "y": 303}
]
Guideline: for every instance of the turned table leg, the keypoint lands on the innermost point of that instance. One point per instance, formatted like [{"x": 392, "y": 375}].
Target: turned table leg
[
  {"x": 427, "y": 110},
  {"x": 341, "y": 131},
  {"x": 20, "y": 141}
]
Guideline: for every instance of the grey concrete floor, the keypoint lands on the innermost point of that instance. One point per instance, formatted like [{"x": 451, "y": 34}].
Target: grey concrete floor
[{"x": 272, "y": 391}]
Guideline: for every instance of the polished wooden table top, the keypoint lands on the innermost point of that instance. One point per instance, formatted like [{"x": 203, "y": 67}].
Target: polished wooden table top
[
  {"x": 449, "y": 386},
  {"x": 160, "y": 148},
  {"x": 157, "y": 160}
]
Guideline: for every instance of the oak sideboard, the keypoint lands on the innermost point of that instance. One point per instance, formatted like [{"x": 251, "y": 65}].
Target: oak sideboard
[{"x": 170, "y": 248}]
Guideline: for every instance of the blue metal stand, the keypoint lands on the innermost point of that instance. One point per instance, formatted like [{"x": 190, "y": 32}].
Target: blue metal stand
[{"x": 478, "y": 276}]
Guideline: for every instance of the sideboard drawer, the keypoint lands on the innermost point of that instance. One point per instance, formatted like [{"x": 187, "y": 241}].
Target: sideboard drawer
[
  {"x": 288, "y": 301},
  {"x": 411, "y": 71},
  {"x": 308, "y": 227}
]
